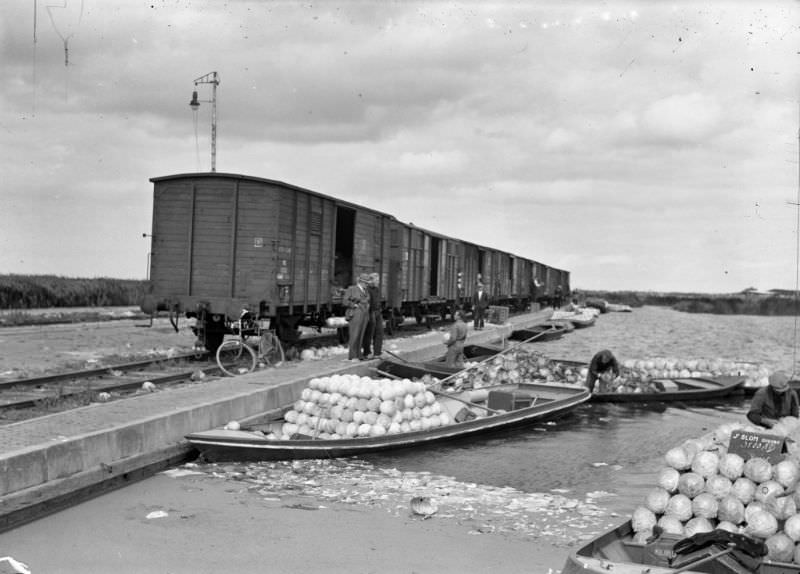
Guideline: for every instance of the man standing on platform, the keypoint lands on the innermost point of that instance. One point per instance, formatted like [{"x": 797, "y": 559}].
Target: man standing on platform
[
  {"x": 480, "y": 301},
  {"x": 356, "y": 299},
  {"x": 373, "y": 334}
]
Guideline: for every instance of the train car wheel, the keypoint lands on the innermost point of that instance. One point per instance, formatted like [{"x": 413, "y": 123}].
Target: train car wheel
[{"x": 234, "y": 357}]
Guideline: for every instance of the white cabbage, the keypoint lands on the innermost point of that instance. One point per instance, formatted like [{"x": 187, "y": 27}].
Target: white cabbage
[
  {"x": 643, "y": 519},
  {"x": 729, "y": 526},
  {"x": 704, "y": 505},
  {"x": 678, "y": 458},
  {"x": 730, "y": 509},
  {"x": 668, "y": 479},
  {"x": 780, "y": 547},
  {"x": 691, "y": 484},
  {"x": 680, "y": 506},
  {"x": 657, "y": 499},
  {"x": 792, "y": 527},
  {"x": 768, "y": 489},
  {"x": 705, "y": 463},
  {"x": 761, "y": 524},
  {"x": 671, "y": 524},
  {"x": 758, "y": 470},
  {"x": 719, "y": 486},
  {"x": 744, "y": 489},
  {"x": 698, "y": 524},
  {"x": 731, "y": 466},
  {"x": 786, "y": 473}
]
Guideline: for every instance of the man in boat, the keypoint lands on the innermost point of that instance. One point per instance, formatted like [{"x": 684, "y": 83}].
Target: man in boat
[
  {"x": 605, "y": 367},
  {"x": 454, "y": 339},
  {"x": 774, "y": 401}
]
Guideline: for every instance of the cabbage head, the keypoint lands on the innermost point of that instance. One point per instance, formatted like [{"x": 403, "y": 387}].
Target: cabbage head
[
  {"x": 729, "y": 526},
  {"x": 691, "y": 484},
  {"x": 705, "y": 463},
  {"x": 678, "y": 458},
  {"x": 744, "y": 489},
  {"x": 680, "y": 506},
  {"x": 786, "y": 473},
  {"x": 643, "y": 519},
  {"x": 671, "y": 524},
  {"x": 698, "y": 524},
  {"x": 719, "y": 486},
  {"x": 780, "y": 547},
  {"x": 792, "y": 527},
  {"x": 768, "y": 489},
  {"x": 781, "y": 507},
  {"x": 657, "y": 499},
  {"x": 668, "y": 479},
  {"x": 730, "y": 509},
  {"x": 761, "y": 524},
  {"x": 704, "y": 505},
  {"x": 758, "y": 470},
  {"x": 731, "y": 466}
]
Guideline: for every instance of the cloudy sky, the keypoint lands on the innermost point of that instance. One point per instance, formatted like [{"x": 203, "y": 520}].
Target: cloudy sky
[{"x": 640, "y": 145}]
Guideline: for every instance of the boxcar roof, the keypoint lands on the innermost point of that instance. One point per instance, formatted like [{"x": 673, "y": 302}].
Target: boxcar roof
[
  {"x": 268, "y": 181},
  {"x": 283, "y": 184}
]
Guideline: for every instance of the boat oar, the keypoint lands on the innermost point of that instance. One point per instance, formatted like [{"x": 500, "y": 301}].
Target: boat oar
[{"x": 441, "y": 394}]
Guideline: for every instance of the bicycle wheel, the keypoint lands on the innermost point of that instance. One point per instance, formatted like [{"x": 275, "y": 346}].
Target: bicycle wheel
[
  {"x": 270, "y": 350},
  {"x": 234, "y": 357}
]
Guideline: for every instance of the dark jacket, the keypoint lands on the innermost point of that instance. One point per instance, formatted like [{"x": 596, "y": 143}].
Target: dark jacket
[
  {"x": 767, "y": 403},
  {"x": 601, "y": 362}
]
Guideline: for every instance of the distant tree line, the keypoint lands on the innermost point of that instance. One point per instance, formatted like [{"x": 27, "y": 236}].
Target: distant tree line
[
  {"x": 745, "y": 303},
  {"x": 47, "y": 291}
]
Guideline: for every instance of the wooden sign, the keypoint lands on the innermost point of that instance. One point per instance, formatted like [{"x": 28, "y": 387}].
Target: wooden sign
[{"x": 754, "y": 444}]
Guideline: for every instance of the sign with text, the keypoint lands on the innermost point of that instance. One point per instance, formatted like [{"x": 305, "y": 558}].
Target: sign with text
[{"x": 754, "y": 444}]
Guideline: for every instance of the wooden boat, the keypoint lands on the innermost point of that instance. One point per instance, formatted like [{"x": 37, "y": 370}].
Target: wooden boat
[
  {"x": 618, "y": 308},
  {"x": 615, "y": 551},
  {"x": 580, "y": 318},
  {"x": 538, "y": 333},
  {"x": 530, "y": 403},
  {"x": 688, "y": 389}
]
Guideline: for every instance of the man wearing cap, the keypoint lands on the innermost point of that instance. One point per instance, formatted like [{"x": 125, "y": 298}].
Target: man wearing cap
[
  {"x": 356, "y": 299},
  {"x": 454, "y": 340},
  {"x": 480, "y": 301},
  {"x": 774, "y": 401}
]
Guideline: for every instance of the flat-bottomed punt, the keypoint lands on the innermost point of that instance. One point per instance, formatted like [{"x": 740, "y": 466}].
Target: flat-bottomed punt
[
  {"x": 692, "y": 389},
  {"x": 615, "y": 551},
  {"x": 526, "y": 403},
  {"x": 539, "y": 333}
]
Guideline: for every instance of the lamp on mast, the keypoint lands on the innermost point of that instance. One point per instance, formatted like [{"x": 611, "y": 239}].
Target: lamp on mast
[{"x": 213, "y": 79}]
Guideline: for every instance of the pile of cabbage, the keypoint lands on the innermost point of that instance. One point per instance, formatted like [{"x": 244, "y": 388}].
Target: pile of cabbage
[
  {"x": 317, "y": 353},
  {"x": 350, "y": 406},
  {"x": 704, "y": 487},
  {"x": 515, "y": 366},
  {"x": 644, "y": 370}
]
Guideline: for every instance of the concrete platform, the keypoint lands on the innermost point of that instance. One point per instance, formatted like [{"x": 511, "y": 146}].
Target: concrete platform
[{"x": 52, "y": 462}]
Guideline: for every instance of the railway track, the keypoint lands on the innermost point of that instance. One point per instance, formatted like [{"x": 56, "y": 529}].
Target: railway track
[{"x": 33, "y": 397}]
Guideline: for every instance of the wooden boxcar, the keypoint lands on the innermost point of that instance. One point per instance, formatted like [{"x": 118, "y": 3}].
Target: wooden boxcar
[{"x": 225, "y": 243}]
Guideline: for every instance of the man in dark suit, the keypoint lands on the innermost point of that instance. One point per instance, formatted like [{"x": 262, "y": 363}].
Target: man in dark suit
[{"x": 480, "y": 302}]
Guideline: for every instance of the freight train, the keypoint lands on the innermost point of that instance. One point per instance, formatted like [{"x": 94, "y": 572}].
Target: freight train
[{"x": 229, "y": 248}]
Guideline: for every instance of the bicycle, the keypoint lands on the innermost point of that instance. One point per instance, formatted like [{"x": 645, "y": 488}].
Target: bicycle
[{"x": 249, "y": 350}]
